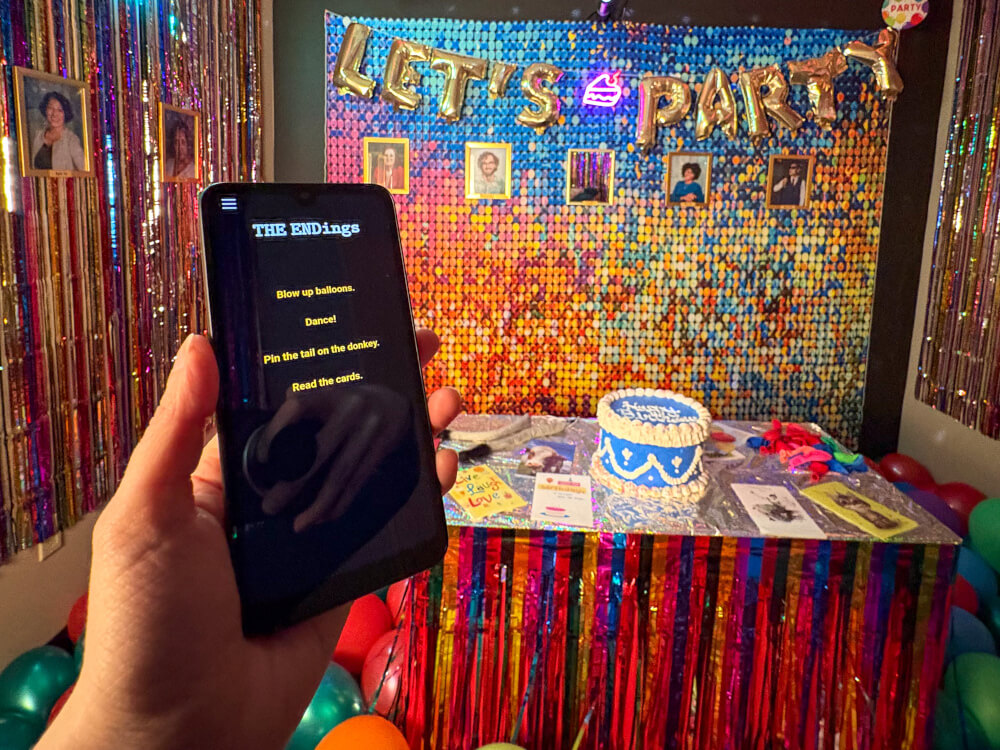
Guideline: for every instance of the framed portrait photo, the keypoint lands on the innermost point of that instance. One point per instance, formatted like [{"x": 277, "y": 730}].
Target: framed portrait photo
[
  {"x": 590, "y": 177},
  {"x": 689, "y": 178},
  {"x": 180, "y": 144},
  {"x": 53, "y": 125},
  {"x": 487, "y": 171},
  {"x": 387, "y": 163},
  {"x": 789, "y": 181}
]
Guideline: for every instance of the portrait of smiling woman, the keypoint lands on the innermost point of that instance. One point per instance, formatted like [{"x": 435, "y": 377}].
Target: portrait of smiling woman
[{"x": 53, "y": 125}]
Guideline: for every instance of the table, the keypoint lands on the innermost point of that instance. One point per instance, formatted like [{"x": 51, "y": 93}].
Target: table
[{"x": 678, "y": 625}]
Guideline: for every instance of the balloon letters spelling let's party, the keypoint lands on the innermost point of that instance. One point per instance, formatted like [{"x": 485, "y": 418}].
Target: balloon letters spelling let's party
[{"x": 663, "y": 100}]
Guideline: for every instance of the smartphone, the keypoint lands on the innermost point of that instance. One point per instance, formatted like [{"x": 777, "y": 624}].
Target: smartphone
[{"x": 325, "y": 442}]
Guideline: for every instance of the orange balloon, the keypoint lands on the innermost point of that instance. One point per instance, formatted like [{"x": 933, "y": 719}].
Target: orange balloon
[{"x": 363, "y": 732}]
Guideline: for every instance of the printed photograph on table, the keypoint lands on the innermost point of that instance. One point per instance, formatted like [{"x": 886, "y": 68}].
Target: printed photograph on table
[
  {"x": 590, "y": 177},
  {"x": 53, "y": 125},
  {"x": 387, "y": 163},
  {"x": 866, "y": 514},
  {"x": 180, "y": 139},
  {"x": 689, "y": 178},
  {"x": 546, "y": 456},
  {"x": 789, "y": 181},
  {"x": 487, "y": 170}
]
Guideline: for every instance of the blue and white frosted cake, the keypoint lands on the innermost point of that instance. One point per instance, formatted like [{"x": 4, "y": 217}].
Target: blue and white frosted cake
[{"x": 650, "y": 444}]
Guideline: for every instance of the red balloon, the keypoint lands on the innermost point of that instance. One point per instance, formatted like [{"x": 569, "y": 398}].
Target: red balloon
[
  {"x": 961, "y": 497},
  {"x": 383, "y": 671},
  {"x": 368, "y": 619},
  {"x": 77, "y": 619},
  {"x": 398, "y": 599},
  {"x": 59, "y": 704},
  {"x": 873, "y": 465},
  {"x": 964, "y": 596},
  {"x": 898, "y": 467}
]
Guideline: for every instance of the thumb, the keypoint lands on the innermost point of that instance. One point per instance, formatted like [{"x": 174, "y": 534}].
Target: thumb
[{"x": 162, "y": 463}]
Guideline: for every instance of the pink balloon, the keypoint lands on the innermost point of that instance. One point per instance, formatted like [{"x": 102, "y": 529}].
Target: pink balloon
[
  {"x": 383, "y": 671},
  {"x": 898, "y": 467}
]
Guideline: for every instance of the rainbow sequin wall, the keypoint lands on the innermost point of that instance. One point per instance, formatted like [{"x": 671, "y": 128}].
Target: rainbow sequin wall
[
  {"x": 100, "y": 276},
  {"x": 544, "y": 306}
]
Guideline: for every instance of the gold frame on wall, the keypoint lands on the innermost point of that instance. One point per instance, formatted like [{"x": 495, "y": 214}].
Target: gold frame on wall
[{"x": 82, "y": 100}]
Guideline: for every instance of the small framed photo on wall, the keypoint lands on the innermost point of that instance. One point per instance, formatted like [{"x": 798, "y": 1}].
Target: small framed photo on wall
[
  {"x": 53, "y": 125},
  {"x": 387, "y": 163},
  {"x": 180, "y": 144},
  {"x": 689, "y": 178},
  {"x": 487, "y": 171},
  {"x": 590, "y": 177},
  {"x": 789, "y": 181}
]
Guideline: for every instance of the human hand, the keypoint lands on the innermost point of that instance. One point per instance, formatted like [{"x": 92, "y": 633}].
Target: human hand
[{"x": 166, "y": 663}]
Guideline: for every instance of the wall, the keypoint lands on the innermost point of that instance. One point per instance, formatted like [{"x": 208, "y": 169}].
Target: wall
[{"x": 952, "y": 451}]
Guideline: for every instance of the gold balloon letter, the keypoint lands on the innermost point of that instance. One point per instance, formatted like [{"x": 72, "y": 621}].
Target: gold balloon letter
[
  {"x": 346, "y": 75},
  {"x": 651, "y": 115},
  {"x": 716, "y": 106},
  {"x": 882, "y": 60},
  {"x": 399, "y": 76},
  {"x": 817, "y": 76},
  {"x": 751, "y": 83},
  {"x": 499, "y": 77},
  {"x": 545, "y": 99},
  {"x": 457, "y": 69}
]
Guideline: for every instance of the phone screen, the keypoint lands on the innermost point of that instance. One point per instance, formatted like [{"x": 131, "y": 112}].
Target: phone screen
[{"x": 325, "y": 442}]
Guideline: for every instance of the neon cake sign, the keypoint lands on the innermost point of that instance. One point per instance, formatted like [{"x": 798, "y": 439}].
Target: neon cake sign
[{"x": 604, "y": 91}]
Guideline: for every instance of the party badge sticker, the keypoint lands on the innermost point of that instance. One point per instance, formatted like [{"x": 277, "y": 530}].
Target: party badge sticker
[
  {"x": 904, "y": 14},
  {"x": 481, "y": 493}
]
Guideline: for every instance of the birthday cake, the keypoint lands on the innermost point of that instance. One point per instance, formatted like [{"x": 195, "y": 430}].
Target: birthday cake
[{"x": 650, "y": 444}]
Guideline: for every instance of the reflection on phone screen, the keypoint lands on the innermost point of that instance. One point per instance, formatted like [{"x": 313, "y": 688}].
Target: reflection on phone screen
[{"x": 327, "y": 457}]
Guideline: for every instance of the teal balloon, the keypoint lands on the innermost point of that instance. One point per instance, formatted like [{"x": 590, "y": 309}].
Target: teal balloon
[
  {"x": 78, "y": 652},
  {"x": 382, "y": 593},
  {"x": 337, "y": 699},
  {"x": 33, "y": 682},
  {"x": 977, "y": 571},
  {"x": 955, "y": 729},
  {"x": 989, "y": 613},
  {"x": 971, "y": 681},
  {"x": 18, "y": 731},
  {"x": 984, "y": 531},
  {"x": 968, "y": 634}
]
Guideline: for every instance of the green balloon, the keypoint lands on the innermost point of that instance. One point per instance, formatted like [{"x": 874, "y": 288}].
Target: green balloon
[
  {"x": 984, "y": 531},
  {"x": 18, "y": 731},
  {"x": 382, "y": 593},
  {"x": 33, "y": 682},
  {"x": 955, "y": 729},
  {"x": 337, "y": 699},
  {"x": 971, "y": 680},
  {"x": 78, "y": 652}
]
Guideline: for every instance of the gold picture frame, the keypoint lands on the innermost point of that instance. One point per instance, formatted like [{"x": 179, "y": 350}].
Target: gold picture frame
[
  {"x": 675, "y": 177},
  {"x": 70, "y": 154},
  {"x": 375, "y": 170},
  {"x": 174, "y": 121},
  {"x": 778, "y": 169},
  {"x": 476, "y": 151},
  {"x": 585, "y": 193}
]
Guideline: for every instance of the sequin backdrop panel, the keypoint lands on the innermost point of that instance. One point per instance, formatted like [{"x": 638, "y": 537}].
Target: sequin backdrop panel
[
  {"x": 959, "y": 368},
  {"x": 101, "y": 277},
  {"x": 544, "y": 306}
]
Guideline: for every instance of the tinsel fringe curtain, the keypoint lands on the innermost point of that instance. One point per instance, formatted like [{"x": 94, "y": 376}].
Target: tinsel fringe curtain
[
  {"x": 99, "y": 276},
  {"x": 960, "y": 357}
]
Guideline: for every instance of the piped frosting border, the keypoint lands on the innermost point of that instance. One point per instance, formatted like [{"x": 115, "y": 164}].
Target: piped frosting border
[{"x": 665, "y": 435}]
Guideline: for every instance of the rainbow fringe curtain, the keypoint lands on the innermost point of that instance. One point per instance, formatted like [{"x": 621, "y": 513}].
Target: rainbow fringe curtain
[
  {"x": 99, "y": 276},
  {"x": 959, "y": 371},
  {"x": 675, "y": 642}
]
